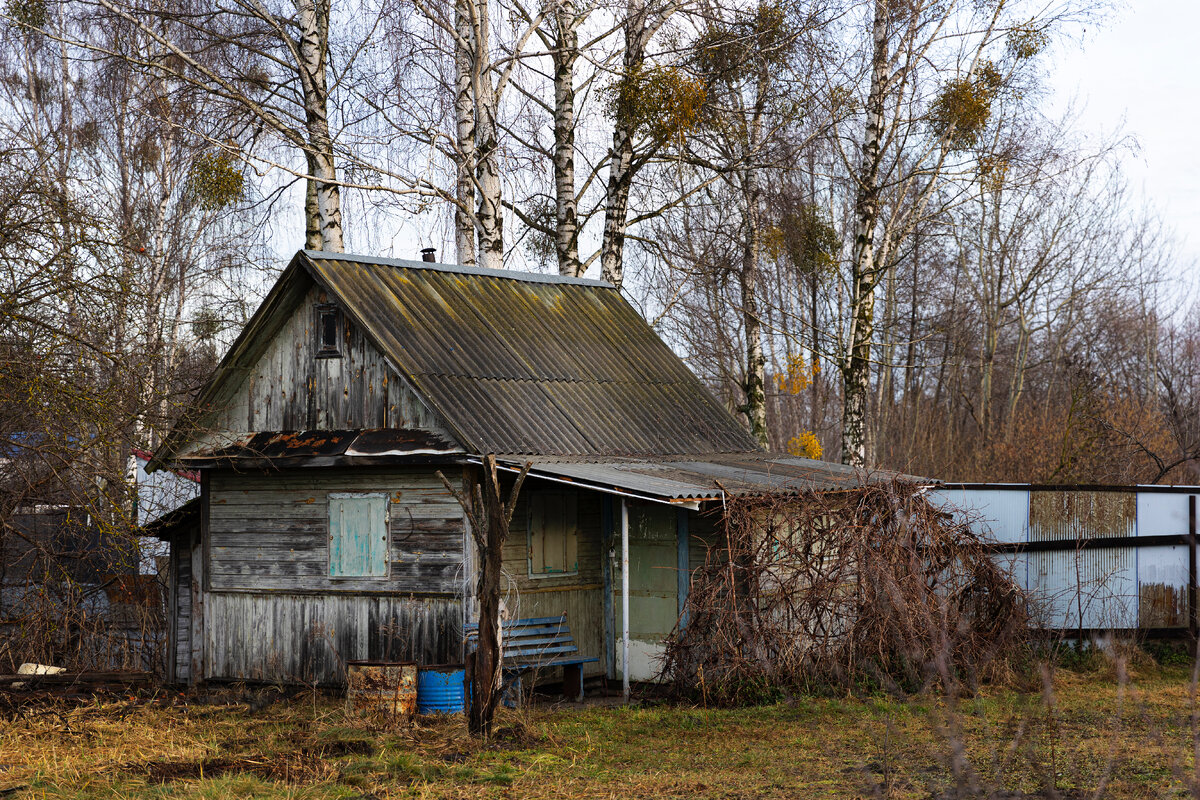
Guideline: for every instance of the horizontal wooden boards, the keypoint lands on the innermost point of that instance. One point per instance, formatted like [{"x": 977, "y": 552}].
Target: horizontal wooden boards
[{"x": 270, "y": 531}]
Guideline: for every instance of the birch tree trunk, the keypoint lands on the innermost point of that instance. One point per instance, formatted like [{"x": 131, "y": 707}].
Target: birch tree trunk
[
  {"x": 488, "y": 217},
  {"x": 756, "y": 361},
  {"x": 856, "y": 363},
  {"x": 621, "y": 165},
  {"x": 312, "y": 211},
  {"x": 313, "y": 46},
  {"x": 566, "y": 217},
  {"x": 464, "y": 119}
]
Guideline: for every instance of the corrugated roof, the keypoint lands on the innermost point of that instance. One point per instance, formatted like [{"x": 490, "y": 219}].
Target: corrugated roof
[
  {"x": 523, "y": 363},
  {"x": 704, "y": 477}
]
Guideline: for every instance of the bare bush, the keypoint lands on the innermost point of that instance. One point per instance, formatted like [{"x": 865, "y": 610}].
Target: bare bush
[{"x": 868, "y": 587}]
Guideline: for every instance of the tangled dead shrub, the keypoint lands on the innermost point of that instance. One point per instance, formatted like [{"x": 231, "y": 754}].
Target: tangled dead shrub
[{"x": 821, "y": 591}]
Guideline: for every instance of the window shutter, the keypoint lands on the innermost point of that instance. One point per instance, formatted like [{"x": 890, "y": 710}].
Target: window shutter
[
  {"x": 553, "y": 533},
  {"x": 358, "y": 536}
]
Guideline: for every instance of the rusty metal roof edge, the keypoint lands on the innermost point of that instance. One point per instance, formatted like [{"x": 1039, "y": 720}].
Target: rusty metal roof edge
[{"x": 515, "y": 275}]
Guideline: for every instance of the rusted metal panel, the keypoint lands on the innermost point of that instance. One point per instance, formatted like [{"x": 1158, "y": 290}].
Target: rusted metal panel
[
  {"x": 1163, "y": 586},
  {"x": 1057, "y": 515},
  {"x": 1082, "y": 561},
  {"x": 323, "y": 448},
  {"x": 380, "y": 687}
]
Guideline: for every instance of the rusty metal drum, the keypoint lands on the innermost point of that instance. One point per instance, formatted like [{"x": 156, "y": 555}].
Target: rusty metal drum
[{"x": 382, "y": 687}]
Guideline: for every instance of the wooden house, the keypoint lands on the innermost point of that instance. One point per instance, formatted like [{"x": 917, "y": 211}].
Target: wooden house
[{"x": 323, "y": 533}]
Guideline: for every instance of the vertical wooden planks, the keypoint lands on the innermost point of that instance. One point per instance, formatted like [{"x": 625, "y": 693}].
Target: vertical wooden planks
[
  {"x": 307, "y": 638},
  {"x": 288, "y": 388}
]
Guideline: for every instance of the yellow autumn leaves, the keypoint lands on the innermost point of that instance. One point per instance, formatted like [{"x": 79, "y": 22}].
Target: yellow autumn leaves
[{"x": 796, "y": 376}]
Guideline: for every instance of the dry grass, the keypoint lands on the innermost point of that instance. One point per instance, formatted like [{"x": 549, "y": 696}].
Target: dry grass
[{"x": 1134, "y": 740}]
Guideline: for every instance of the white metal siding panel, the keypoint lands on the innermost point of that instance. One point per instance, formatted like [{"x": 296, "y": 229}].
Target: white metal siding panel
[
  {"x": 1101, "y": 582},
  {"x": 1160, "y": 514},
  {"x": 998, "y": 514}
]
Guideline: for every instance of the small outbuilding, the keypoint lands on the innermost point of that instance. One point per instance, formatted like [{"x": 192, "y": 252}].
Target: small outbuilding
[{"x": 323, "y": 533}]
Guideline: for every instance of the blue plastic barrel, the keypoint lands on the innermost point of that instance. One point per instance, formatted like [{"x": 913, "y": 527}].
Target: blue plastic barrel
[{"x": 440, "y": 689}]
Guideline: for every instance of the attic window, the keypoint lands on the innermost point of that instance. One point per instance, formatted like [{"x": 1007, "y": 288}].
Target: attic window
[{"x": 329, "y": 330}]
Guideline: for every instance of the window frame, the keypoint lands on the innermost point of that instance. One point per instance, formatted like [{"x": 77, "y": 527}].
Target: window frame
[
  {"x": 387, "y": 531},
  {"x": 529, "y": 536},
  {"x": 320, "y": 312}
]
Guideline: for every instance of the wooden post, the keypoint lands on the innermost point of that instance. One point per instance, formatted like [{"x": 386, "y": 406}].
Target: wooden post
[
  {"x": 1193, "y": 623},
  {"x": 625, "y": 599},
  {"x": 606, "y": 559},
  {"x": 683, "y": 557},
  {"x": 196, "y": 669}
]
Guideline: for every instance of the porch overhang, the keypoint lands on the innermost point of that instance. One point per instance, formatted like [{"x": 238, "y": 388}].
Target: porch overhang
[{"x": 687, "y": 481}]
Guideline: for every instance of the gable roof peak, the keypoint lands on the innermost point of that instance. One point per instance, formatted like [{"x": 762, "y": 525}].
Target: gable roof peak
[{"x": 509, "y": 274}]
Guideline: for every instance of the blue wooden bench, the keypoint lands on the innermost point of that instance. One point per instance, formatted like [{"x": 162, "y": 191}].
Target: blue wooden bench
[{"x": 535, "y": 643}]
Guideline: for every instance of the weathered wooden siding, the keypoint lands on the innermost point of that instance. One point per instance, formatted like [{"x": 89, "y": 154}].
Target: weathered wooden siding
[
  {"x": 289, "y": 389},
  {"x": 181, "y": 608},
  {"x": 580, "y": 596},
  {"x": 268, "y": 532},
  {"x": 308, "y": 638}
]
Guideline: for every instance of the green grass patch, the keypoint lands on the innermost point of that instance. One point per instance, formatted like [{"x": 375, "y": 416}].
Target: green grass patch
[{"x": 1134, "y": 740}]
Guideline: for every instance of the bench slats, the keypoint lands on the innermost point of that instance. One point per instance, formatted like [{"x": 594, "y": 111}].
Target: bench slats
[
  {"x": 530, "y": 621},
  {"x": 515, "y": 642},
  {"x": 535, "y": 651},
  {"x": 536, "y": 642},
  {"x": 554, "y": 662},
  {"x": 511, "y": 631}
]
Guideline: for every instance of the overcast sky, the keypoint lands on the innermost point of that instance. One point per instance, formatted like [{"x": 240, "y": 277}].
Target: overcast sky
[{"x": 1138, "y": 73}]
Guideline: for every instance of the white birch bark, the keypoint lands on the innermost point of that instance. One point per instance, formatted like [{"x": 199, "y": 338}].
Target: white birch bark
[
  {"x": 313, "y": 46},
  {"x": 488, "y": 219},
  {"x": 566, "y": 216},
  {"x": 756, "y": 361},
  {"x": 464, "y": 118},
  {"x": 639, "y": 28},
  {"x": 312, "y": 211},
  {"x": 856, "y": 363}
]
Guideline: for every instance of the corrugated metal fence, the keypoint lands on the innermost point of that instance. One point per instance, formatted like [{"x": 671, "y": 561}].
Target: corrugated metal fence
[{"x": 1093, "y": 558}]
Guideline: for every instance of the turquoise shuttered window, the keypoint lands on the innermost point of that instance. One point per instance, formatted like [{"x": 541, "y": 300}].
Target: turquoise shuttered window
[{"x": 358, "y": 535}]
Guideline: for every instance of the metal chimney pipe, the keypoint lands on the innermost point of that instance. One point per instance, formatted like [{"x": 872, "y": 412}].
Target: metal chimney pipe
[{"x": 428, "y": 254}]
